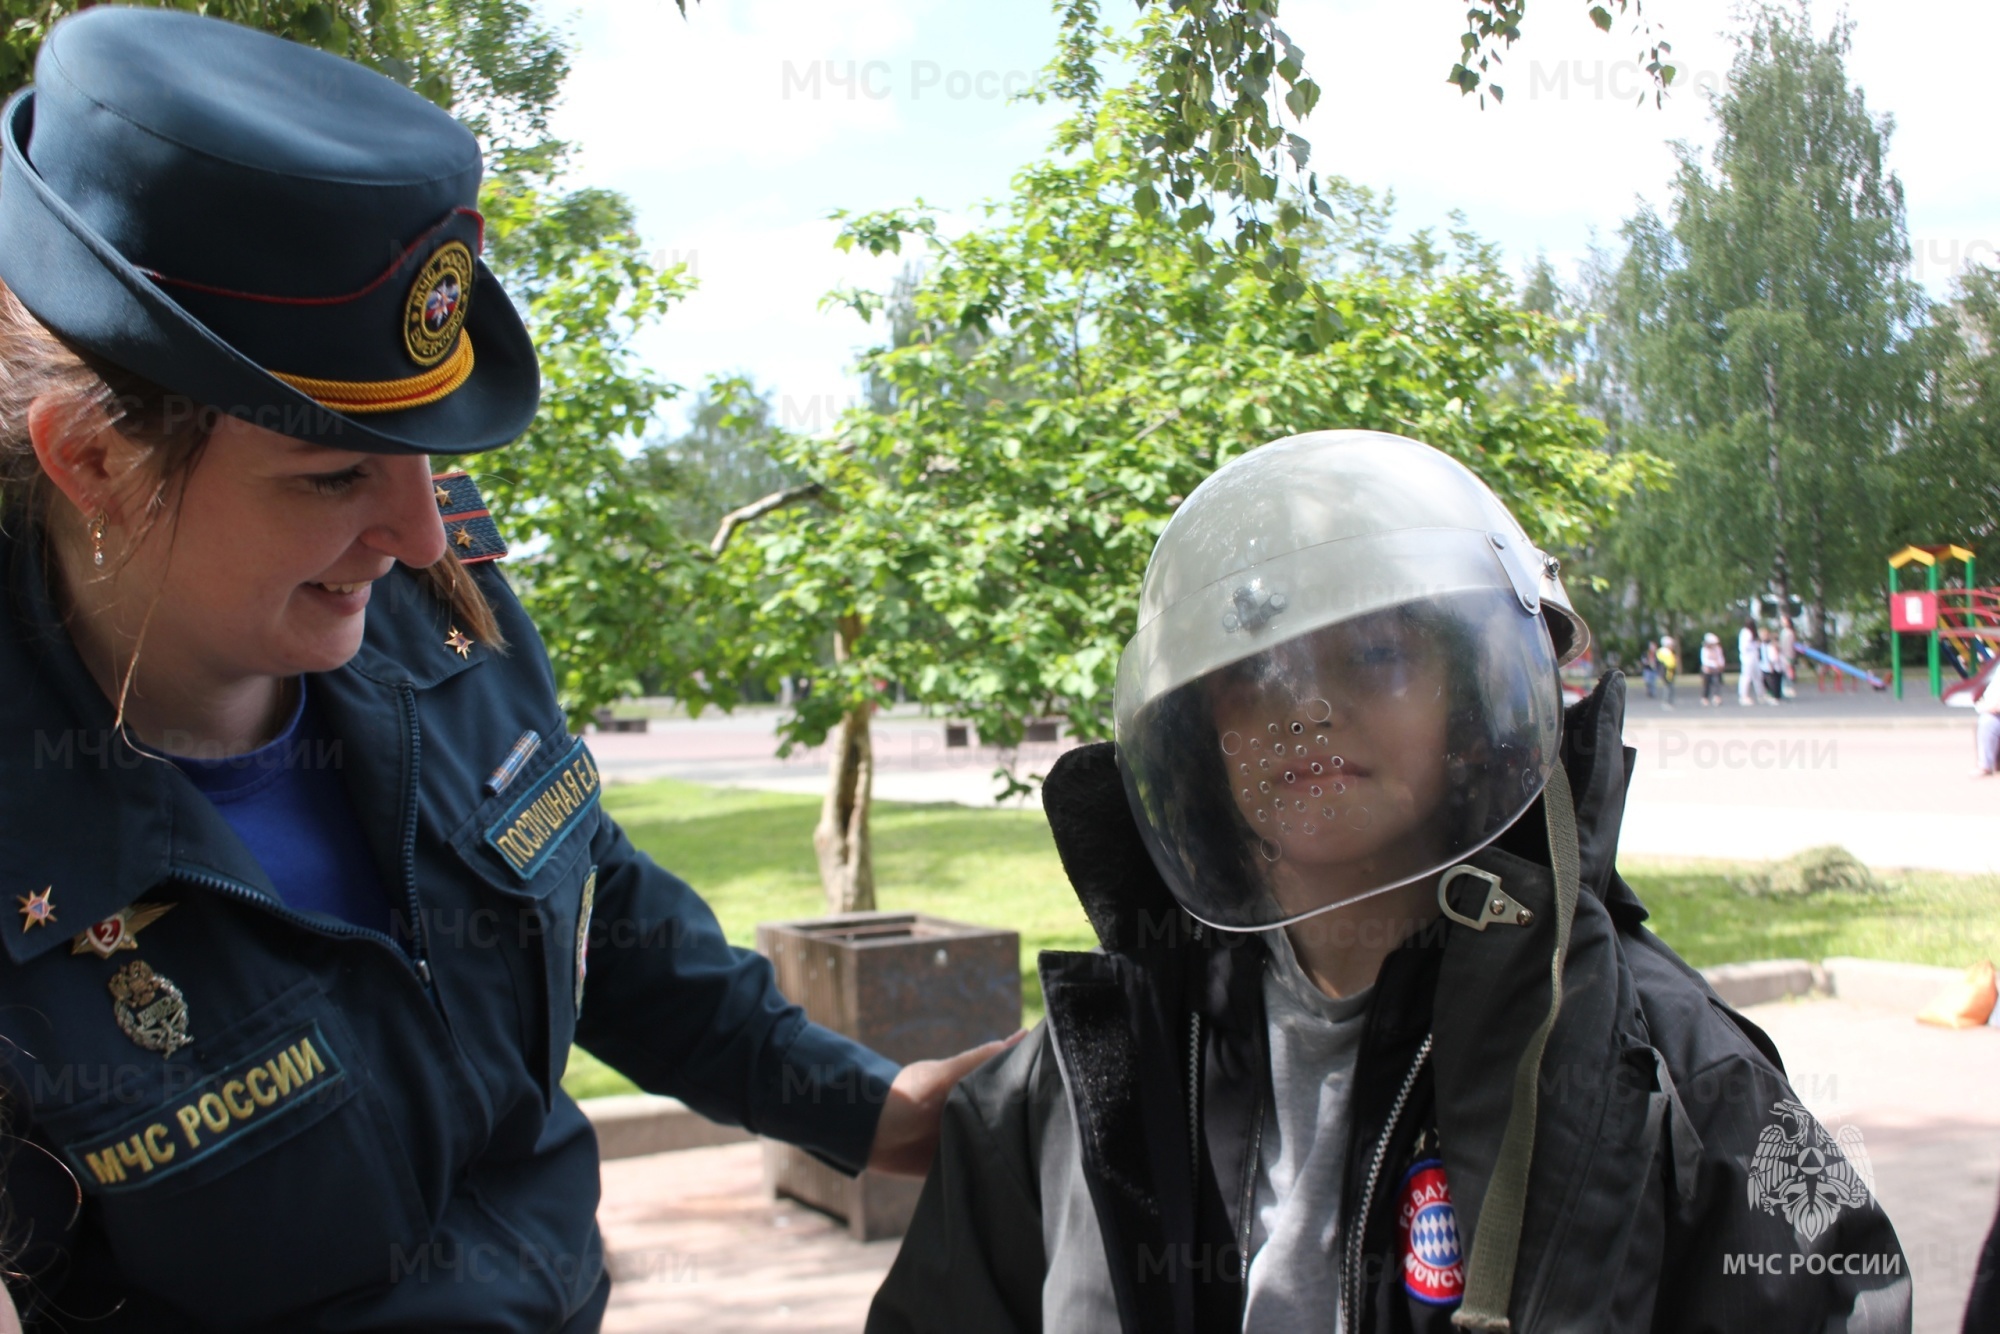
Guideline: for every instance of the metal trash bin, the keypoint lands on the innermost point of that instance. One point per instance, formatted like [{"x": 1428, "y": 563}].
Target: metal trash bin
[{"x": 913, "y": 987}]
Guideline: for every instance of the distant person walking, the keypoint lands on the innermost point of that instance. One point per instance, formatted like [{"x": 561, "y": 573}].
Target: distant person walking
[
  {"x": 1987, "y": 737},
  {"x": 1670, "y": 665},
  {"x": 1713, "y": 663},
  {"x": 1788, "y": 652},
  {"x": 1749, "y": 663},
  {"x": 1773, "y": 663},
  {"x": 1649, "y": 668}
]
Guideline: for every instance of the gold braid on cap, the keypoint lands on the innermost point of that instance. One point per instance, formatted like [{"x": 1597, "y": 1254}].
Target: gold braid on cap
[{"x": 358, "y": 396}]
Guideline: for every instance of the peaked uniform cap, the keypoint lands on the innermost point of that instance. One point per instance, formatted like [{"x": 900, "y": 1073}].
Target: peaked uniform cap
[{"x": 268, "y": 229}]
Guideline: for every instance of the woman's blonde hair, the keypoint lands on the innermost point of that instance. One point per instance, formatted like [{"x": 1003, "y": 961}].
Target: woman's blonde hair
[{"x": 35, "y": 363}]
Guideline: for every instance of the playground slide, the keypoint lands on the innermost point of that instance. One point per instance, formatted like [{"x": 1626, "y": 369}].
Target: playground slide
[{"x": 1828, "y": 660}]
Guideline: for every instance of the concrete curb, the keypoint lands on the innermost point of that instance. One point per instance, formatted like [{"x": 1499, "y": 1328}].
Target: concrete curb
[
  {"x": 1904, "y": 987},
  {"x": 630, "y": 1125},
  {"x": 1879, "y": 984},
  {"x": 1766, "y": 980}
]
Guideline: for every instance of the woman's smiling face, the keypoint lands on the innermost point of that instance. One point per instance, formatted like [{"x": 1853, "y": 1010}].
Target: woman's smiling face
[
  {"x": 267, "y": 560},
  {"x": 1336, "y": 748}
]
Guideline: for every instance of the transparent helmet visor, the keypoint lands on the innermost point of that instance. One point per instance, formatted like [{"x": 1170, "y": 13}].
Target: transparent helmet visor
[{"x": 1347, "y": 760}]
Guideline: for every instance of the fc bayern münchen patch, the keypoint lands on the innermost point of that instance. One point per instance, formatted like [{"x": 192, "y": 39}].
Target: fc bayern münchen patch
[{"x": 1433, "y": 1270}]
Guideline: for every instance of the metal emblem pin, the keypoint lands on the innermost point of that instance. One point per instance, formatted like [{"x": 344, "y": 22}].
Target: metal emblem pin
[
  {"x": 461, "y": 536},
  {"x": 120, "y": 931},
  {"x": 458, "y": 643},
  {"x": 36, "y": 910},
  {"x": 443, "y": 496},
  {"x": 149, "y": 1009}
]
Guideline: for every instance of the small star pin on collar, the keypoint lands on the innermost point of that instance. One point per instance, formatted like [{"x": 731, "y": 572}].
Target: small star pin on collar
[
  {"x": 443, "y": 496},
  {"x": 36, "y": 910},
  {"x": 460, "y": 537},
  {"x": 457, "y": 643}
]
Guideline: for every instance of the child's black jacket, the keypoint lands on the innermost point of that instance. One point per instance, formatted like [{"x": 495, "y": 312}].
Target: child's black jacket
[{"x": 1659, "y": 1108}]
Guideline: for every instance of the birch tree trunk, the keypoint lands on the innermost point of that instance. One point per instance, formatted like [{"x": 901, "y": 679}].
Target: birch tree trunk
[
  {"x": 846, "y": 861},
  {"x": 1781, "y": 572}
]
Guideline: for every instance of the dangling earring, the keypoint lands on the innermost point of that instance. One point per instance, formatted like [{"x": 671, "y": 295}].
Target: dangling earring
[{"x": 97, "y": 540}]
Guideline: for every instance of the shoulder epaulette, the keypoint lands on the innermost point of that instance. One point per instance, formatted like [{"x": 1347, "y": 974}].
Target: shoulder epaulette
[{"x": 468, "y": 525}]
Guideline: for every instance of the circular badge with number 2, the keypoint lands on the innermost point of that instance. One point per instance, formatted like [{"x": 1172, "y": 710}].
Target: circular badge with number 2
[{"x": 435, "y": 311}]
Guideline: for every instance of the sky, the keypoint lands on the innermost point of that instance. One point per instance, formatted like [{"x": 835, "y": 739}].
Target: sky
[{"x": 739, "y": 130}]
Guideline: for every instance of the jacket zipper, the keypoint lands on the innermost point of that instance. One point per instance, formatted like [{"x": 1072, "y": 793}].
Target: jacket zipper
[
  {"x": 1350, "y": 1278},
  {"x": 1246, "y": 1190},
  {"x": 236, "y": 889},
  {"x": 1246, "y": 1202},
  {"x": 419, "y": 951},
  {"x": 1194, "y": 1087},
  {"x": 415, "y": 957}
]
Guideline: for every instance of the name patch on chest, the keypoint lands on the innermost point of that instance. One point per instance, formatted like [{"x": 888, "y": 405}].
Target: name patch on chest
[
  {"x": 543, "y": 816},
  {"x": 287, "y": 1075}
]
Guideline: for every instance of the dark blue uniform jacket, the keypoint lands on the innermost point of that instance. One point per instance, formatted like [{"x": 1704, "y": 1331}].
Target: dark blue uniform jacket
[{"x": 364, "y": 1131}]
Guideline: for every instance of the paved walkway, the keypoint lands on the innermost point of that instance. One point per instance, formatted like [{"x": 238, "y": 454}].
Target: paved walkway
[
  {"x": 1891, "y": 781},
  {"x": 696, "y": 1245}
]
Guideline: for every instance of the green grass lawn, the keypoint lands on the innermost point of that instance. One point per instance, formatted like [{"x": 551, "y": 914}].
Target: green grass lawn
[{"x": 750, "y": 854}]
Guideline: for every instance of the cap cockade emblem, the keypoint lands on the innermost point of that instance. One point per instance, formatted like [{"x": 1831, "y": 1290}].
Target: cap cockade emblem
[{"x": 438, "y": 299}]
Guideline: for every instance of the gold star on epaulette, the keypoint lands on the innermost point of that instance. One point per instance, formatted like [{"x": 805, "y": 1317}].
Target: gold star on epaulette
[
  {"x": 457, "y": 642},
  {"x": 36, "y": 910},
  {"x": 461, "y": 537},
  {"x": 443, "y": 496}
]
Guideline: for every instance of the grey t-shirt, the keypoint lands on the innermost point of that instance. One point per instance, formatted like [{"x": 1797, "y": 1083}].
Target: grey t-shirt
[
  {"x": 1295, "y": 1265},
  {"x": 1294, "y": 1224}
]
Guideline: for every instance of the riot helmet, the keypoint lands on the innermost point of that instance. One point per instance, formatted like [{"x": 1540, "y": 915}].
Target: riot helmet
[{"x": 1344, "y": 677}]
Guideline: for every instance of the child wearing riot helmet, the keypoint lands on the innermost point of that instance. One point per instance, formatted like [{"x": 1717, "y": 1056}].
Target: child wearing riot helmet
[{"x": 1377, "y": 1040}]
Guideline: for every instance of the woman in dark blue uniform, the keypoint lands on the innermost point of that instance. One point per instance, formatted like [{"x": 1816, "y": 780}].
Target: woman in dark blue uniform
[{"x": 309, "y": 891}]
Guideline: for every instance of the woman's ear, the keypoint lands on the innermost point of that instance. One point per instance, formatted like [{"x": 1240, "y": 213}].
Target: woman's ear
[{"x": 86, "y": 458}]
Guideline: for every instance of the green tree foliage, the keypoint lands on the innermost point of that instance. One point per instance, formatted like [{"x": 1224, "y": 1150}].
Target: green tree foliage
[
  {"x": 720, "y": 460},
  {"x": 1948, "y": 477},
  {"x": 1493, "y": 26},
  {"x": 1763, "y": 337},
  {"x": 1066, "y": 373},
  {"x": 491, "y": 61},
  {"x": 602, "y": 567}
]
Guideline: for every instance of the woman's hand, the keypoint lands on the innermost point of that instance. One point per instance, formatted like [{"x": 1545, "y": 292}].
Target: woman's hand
[{"x": 906, "y": 1137}]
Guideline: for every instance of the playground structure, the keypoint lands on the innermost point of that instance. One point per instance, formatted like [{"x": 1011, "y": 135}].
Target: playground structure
[
  {"x": 1823, "y": 663},
  {"x": 1962, "y": 624}
]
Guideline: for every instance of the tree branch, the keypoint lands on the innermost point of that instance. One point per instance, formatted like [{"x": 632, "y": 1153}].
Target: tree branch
[{"x": 757, "y": 509}]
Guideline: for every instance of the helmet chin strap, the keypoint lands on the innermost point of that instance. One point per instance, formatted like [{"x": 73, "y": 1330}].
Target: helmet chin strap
[{"x": 1489, "y": 1269}]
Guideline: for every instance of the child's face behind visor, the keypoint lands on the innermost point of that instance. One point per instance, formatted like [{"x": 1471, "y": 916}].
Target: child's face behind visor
[{"x": 1337, "y": 752}]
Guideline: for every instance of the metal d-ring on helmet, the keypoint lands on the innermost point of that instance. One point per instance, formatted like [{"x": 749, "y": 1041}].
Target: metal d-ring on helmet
[{"x": 1344, "y": 677}]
